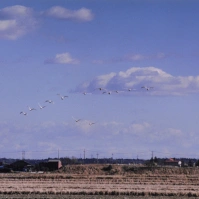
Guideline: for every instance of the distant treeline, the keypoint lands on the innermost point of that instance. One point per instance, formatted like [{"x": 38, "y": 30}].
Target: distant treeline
[{"x": 73, "y": 160}]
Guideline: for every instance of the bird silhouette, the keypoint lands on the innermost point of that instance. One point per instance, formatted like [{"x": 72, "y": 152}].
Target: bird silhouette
[
  {"x": 91, "y": 123},
  {"x": 49, "y": 101},
  {"x": 76, "y": 120},
  {"x": 24, "y": 113},
  {"x": 147, "y": 88},
  {"x": 41, "y": 107},
  {"x": 62, "y": 97},
  {"x": 31, "y": 109}
]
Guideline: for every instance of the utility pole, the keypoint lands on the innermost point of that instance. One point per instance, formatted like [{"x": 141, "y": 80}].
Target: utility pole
[
  {"x": 84, "y": 155},
  {"x": 152, "y": 157},
  {"x": 58, "y": 154},
  {"x": 23, "y": 155},
  {"x": 97, "y": 158}
]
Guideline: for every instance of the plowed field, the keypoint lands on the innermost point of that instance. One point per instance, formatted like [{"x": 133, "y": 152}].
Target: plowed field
[{"x": 102, "y": 181}]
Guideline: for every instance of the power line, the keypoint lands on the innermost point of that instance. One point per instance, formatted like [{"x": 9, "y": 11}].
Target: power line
[{"x": 116, "y": 154}]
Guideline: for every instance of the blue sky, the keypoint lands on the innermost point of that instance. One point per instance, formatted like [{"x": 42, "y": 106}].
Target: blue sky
[{"x": 73, "y": 48}]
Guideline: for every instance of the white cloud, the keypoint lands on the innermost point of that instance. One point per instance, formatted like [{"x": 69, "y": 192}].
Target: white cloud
[
  {"x": 160, "y": 55},
  {"x": 104, "y": 79},
  {"x": 136, "y": 77},
  {"x": 132, "y": 58},
  {"x": 16, "y": 10},
  {"x": 137, "y": 127},
  {"x": 137, "y": 57},
  {"x": 145, "y": 132},
  {"x": 63, "y": 58},
  {"x": 16, "y": 21},
  {"x": 84, "y": 127},
  {"x": 82, "y": 15},
  {"x": 6, "y": 24},
  {"x": 139, "y": 130},
  {"x": 108, "y": 136},
  {"x": 140, "y": 57}
]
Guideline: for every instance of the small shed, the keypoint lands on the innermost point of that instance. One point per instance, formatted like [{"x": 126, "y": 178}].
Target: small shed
[{"x": 54, "y": 164}]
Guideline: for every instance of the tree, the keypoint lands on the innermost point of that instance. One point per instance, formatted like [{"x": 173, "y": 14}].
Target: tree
[{"x": 155, "y": 159}]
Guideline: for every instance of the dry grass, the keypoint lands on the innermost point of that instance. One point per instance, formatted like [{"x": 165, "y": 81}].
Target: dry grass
[{"x": 118, "y": 182}]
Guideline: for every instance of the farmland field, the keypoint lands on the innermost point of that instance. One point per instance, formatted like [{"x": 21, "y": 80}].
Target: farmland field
[
  {"x": 103, "y": 182},
  {"x": 51, "y": 196}
]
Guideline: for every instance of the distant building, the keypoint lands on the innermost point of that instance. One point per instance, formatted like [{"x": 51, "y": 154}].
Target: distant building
[
  {"x": 54, "y": 165},
  {"x": 172, "y": 162},
  {"x": 21, "y": 165},
  {"x": 50, "y": 165}
]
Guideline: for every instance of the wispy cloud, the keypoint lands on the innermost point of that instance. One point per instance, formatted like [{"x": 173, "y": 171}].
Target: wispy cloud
[
  {"x": 16, "y": 21},
  {"x": 63, "y": 58},
  {"x": 152, "y": 132},
  {"x": 43, "y": 137},
  {"x": 140, "y": 57},
  {"x": 58, "y": 12},
  {"x": 163, "y": 83},
  {"x": 138, "y": 128},
  {"x": 132, "y": 58}
]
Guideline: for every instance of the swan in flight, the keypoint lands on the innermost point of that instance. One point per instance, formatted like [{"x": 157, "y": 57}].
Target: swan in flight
[
  {"x": 106, "y": 91},
  {"x": 147, "y": 88},
  {"x": 109, "y": 92},
  {"x": 62, "y": 97},
  {"x": 91, "y": 123},
  {"x": 41, "y": 107},
  {"x": 131, "y": 89},
  {"x": 76, "y": 120},
  {"x": 24, "y": 113},
  {"x": 100, "y": 89},
  {"x": 117, "y": 91},
  {"x": 49, "y": 101},
  {"x": 85, "y": 93},
  {"x": 31, "y": 109}
]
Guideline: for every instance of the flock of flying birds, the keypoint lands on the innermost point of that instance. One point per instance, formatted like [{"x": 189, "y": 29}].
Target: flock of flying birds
[
  {"x": 62, "y": 97},
  {"x": 105, "y": 91},
  {"x": 40, "y": 106}
]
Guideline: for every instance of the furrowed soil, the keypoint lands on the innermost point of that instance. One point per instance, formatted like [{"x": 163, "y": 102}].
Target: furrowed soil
[{"x": 103, "y": 182}]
